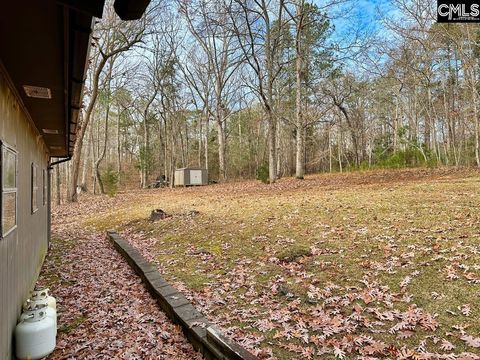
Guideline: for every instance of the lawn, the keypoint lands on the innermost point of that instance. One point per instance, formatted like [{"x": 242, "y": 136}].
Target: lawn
[{"x": 380, "y": 264}]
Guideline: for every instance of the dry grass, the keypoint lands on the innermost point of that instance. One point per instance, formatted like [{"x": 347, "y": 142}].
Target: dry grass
[{"x": 383, "y": 226}]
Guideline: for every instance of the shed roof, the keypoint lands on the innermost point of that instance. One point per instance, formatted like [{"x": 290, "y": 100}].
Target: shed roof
[{"x": 191, "y": 168}]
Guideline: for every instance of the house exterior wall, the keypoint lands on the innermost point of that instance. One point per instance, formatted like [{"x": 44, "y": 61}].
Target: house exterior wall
[{"x": 22, "y": 251}]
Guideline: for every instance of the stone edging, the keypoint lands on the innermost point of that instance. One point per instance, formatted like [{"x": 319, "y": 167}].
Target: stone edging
[{"x": 204, "y": 337}]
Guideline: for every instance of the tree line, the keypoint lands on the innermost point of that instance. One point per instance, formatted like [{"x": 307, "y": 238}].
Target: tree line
[{"x": 272, "y": 88}]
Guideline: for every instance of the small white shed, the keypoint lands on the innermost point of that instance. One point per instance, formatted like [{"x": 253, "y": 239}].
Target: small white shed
[{"x": 189, "y": 176}]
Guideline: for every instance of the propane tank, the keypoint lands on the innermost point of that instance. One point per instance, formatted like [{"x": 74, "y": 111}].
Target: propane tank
[
  {"x": 30, "y": 305},
  {"x": 42, "y": 293},
  {"x": 35, "y": 335}
]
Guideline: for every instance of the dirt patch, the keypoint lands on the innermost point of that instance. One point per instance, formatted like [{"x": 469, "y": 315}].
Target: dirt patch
[
  {"x": 294, "y": 253},
  {"x": 158, "y": 214}
]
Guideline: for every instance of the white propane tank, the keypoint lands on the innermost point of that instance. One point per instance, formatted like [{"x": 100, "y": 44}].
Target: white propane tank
[
  {"x": 35, "y": 335},
  {"x": 30, "y": 305},
  {"x": 42, "y": 293}
]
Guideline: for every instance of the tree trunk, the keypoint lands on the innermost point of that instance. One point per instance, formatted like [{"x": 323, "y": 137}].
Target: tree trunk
[
  {"x": 339, "y": 142},
  {"x": 475, "y": 117},
  {"x": 395, "y": 125},
  {"x": 87, "y": 158},
  {"x": 207, "y": 124},
  {"x": 272, "y": 158},
  {"x": 173, "y": 151},
  {"x": 119, "y": 148},
  {"x": 427, "y": 132},
  {"x": 146, "y": 152},
  {"x": 329, "y": 148},
  {"x": 101, "y": 156},
  {"x": 72, "y": 192},
  {"x": 221, "y": 150},
  {"x": 300, "y": 153},
  {"x": 200, "y": 141}
]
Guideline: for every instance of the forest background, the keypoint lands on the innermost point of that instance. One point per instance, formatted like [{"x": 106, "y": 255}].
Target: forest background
[{"x": 272, "y": 88}]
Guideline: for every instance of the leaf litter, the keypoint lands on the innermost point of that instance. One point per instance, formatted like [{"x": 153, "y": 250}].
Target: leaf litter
[
  {"x": 104, "y": 311},
  {"x": 365, "y": 265}
]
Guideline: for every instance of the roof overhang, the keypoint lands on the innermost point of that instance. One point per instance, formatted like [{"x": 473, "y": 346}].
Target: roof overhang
[{"x": 45, "y": 45}]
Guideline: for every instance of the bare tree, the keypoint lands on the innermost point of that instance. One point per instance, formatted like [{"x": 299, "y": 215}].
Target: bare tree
[
  {"x": 208, "y": 22},
  {"x": 197, "y": 75},
  {"x": 110, "y": 39},
  {"x": 259, "y": 26}
]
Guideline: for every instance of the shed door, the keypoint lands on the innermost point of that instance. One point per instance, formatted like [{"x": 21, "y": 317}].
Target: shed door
[{"x": 196, "y": 177}]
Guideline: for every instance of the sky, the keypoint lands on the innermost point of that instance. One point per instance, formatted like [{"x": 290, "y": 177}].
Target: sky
[
  {"x": 359, "y": 14},
  {"x": 355, "y": 21}
]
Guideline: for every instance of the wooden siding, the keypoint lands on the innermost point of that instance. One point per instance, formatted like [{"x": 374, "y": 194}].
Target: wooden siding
[{"x": 23, "y": 250}]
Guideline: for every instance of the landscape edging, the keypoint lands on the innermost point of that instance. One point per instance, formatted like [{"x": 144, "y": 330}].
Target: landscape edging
[{"x": 203, "y": 336}]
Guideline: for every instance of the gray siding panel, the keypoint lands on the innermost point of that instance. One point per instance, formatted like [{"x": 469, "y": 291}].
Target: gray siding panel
[{"x": 23, "y": 250}]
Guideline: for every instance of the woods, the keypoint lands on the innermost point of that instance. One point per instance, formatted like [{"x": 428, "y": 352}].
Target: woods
[
  {"x": 273, "y": 88},
  {"x": 340, "y": 143}
]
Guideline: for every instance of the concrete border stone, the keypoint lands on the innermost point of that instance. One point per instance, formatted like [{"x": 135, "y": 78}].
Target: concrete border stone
[{"x": 205, "y": 337}]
